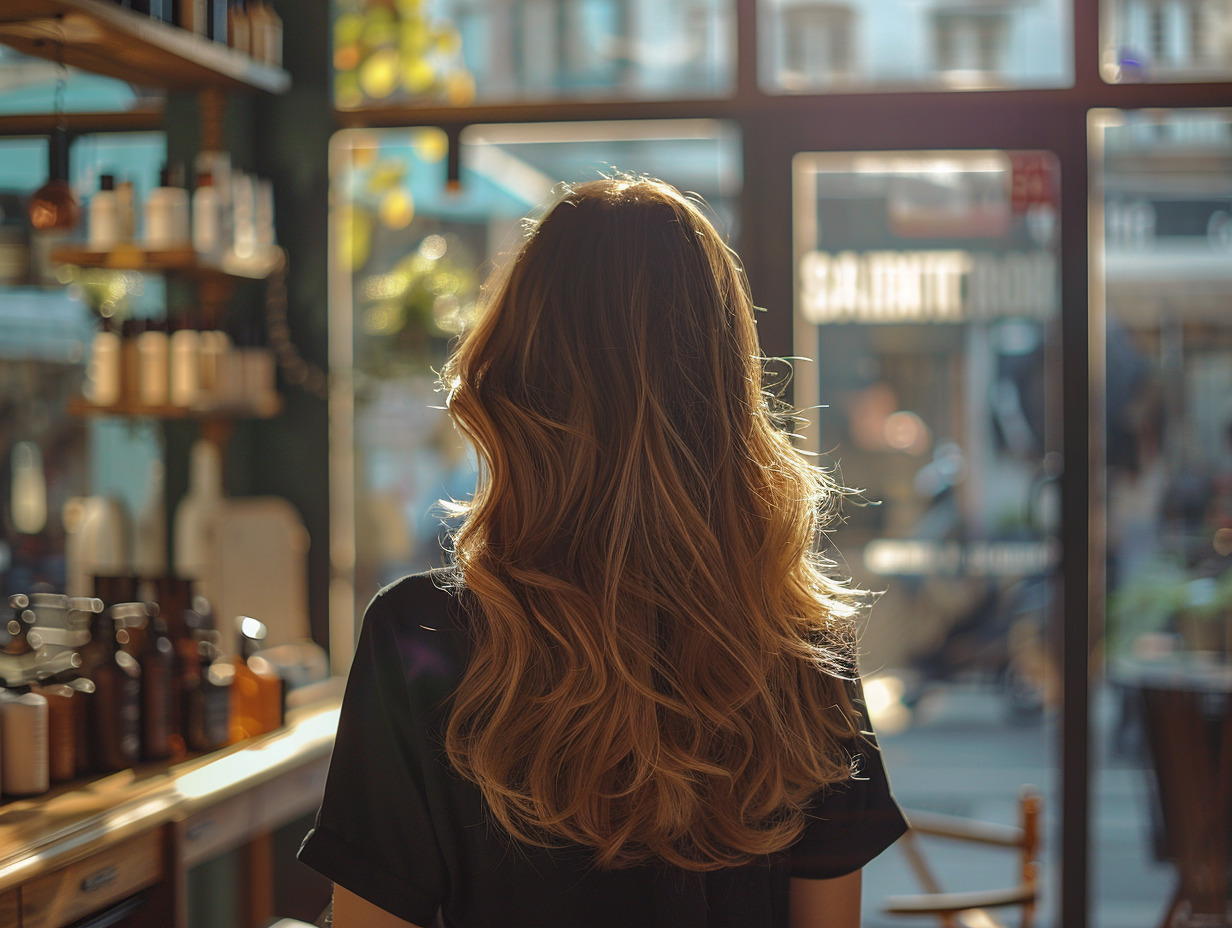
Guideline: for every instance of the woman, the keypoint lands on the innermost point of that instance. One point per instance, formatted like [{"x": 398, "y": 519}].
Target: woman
[{"x": 631, "y": 702}]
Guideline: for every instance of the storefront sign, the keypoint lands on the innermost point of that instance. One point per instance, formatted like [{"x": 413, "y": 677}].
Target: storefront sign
[{"x": 926, "y": 286}]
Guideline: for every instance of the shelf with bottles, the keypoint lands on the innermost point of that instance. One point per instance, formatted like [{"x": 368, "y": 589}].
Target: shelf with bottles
[
  {"x": 152, "y": 369},
  {"x": 106, "y": 38},
  {"x": 185, "y": 261},
  {"x": 91, "y": 686}
]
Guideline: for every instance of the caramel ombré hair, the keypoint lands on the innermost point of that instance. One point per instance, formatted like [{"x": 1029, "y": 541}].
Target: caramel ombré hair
[{"x": 658, "y": 652}]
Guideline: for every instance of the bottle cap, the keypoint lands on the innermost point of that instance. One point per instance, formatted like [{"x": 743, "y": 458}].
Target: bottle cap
[{"x": 106, "y": 182}]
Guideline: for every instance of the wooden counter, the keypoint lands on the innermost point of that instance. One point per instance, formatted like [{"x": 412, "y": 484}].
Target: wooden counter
[{"x": 82, "y": 848}]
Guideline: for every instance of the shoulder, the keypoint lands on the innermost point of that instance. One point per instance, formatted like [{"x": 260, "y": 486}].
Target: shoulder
[
  {"x": 421, "y": 619},
  {"x": 431, "y": 600}
]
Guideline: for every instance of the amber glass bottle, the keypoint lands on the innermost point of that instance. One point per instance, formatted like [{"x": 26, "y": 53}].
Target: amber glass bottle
[
  {"x": 113, "y": 710},
  {"x": 256, "y": 696},
  {"x": 158, "y": 692},
  {"x": 207, "y": 705},
  {"x": 62, "y": 720}
]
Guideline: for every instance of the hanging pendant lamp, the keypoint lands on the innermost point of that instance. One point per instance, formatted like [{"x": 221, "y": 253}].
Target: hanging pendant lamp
[{"x": 53, "y": 206}]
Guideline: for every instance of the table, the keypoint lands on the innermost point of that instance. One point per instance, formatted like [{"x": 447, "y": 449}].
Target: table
[{"x": 1187, "y": 711}]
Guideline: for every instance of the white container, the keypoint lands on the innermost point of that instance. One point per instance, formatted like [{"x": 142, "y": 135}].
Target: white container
[
  {"x": 104, "y": 216},
  {"x": 24, "y": 757},
  {"x": 185, "y": 364},
  {"x": 96, "y": 543},
  {"x": 243, "y": 216},
  {"x": 195, "y": 517},
  {"x": 167, "y": 216},
  {"x": 207, "y": 219},
  {"x": 150, "y": 527},
  {"x": 102, "y": 386},
  {"x": 218, "y": 378},
  {"x": 126, "y": 205},
  {"x": 153, "y": 367},
  {"x": 265, "y": 216}
]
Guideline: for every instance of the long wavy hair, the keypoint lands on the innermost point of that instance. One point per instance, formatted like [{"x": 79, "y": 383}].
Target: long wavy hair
[{"x": 658, "y": 652}]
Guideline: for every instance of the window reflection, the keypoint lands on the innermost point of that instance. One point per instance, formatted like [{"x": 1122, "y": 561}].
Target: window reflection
[
  {"x": 1167, "y": 40},
  {"x": 1166, "y": 276},
  {"x": 819, "y": 45},
  {"x": 926, "y": 302},
  {"x": 459, "y": 51}
]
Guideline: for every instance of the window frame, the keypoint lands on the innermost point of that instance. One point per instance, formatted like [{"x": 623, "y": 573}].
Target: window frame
[{"x": 775, "y": 127}]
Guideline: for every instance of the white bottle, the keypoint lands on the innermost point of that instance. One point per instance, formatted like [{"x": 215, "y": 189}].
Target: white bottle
[
  {"x": 102, "y": 386},
  {"x": 167, "y": 224},
  {"x": 196, "y": 514},
  {"x": 153, "y": 366},
  {"x": 207, "y": 230},
  {"x": 126, "y": 207},
  {"x": 243, "y": 216},
  {"x": 150, "y": 527},
  {"x": 265, "y": 218},
  {"x": 218, "y": 377},
  {"x": 185, "y": 368},
  {"x": 104, "y": 221},
  {"x": 23, "y": 719}
]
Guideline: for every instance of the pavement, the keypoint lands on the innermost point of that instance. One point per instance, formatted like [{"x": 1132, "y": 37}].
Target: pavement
[{"x": 960, "y": 755}]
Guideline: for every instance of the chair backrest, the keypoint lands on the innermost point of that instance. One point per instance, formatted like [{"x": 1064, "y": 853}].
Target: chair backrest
[{"x": 971, "y": 907}]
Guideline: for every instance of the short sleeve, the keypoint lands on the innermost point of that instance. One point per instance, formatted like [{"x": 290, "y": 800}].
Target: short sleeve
[
  {"x": 852, "y": 822},
  {"x": 373, "y": 833}
]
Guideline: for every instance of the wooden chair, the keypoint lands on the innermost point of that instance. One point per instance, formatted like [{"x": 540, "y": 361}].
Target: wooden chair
[{"x": 971, "y": 909}]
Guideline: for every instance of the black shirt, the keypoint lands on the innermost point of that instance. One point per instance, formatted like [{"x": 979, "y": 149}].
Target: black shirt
[{"x": 401, "y": 828}]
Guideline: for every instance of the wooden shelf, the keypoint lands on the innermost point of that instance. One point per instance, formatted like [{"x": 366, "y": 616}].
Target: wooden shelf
[
  {"x": 105, "y": 38},
  {"x": 180, "y": 260},
  {"x": 85, "y": 409}
]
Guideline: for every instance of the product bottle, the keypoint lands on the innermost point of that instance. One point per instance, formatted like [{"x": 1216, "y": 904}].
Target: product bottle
[
  {"x": 216, "y": 20},
  {"x": 265, "y": 217},
  {"x": 167, "y": 223},
  {"x": 239, "y": 29},
  {"x": 104, "y": 213},
  {"x": 207, "y": 237},
  {"x": 102, "y": 387},
  {"x": 150, "y": 526},
  {"x": 185, "y": 367},
  {"x": 266, "y": 27},
  {"x": 131, "y": 620},
  {"x": 192, "y": 15},
  {"x": 153, "y": 363},
  {"x": 158, "y": 692},
  {"x": 195, "y": 515},
  {"x": 115, "y": 589},
  {"x": 174, "y": 600},
  {"x": 130, "y": 363},
  {"x": 113, "y": 713},
  {"x": 62, "y": 708},
  {"x": 256, "y": 697},
  {"x": 208, "y": 704},
  {"x": 218, "y": 380},
  {"x": 126, "y": 209},
  {"x": 243, "y": 215},
  {"x": 23, "y": 720}
]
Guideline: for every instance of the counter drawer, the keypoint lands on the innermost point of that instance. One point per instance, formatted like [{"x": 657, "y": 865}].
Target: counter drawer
[
  {"x": 215, "y": 830},
  {"x": 91, "y": 884},
  {"x": 291, "y": 795},
  {"x": 9, "y": 908}
]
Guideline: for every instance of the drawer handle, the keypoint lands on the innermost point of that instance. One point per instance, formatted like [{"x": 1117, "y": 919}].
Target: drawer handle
[
  {"x": 198, "y": 831},
  {"x": 96, "y": 881}
]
